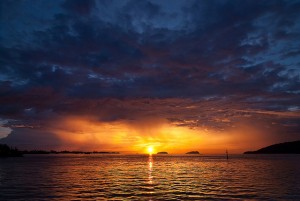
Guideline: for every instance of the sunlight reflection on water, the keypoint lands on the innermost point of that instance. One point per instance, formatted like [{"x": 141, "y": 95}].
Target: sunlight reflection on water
[
  {"x": 150, "y": 177},
  {"x": 150, "y": 162}
]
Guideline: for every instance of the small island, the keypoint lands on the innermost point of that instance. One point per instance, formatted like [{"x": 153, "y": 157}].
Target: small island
[
  {"x": 6, "y": 151},
  {"x": 162, "y": 152},
  {"x": 193, "y": 152},
  {"x": 281, "y": 148}
]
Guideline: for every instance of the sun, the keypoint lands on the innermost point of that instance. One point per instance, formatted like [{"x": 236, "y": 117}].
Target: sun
[{"x": 150, "y": 150}]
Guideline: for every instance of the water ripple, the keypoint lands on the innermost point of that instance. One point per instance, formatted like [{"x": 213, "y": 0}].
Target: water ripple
[{"x": 140, "y": 177}]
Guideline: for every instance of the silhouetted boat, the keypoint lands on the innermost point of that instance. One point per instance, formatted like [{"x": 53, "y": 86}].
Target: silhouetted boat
[{"x": 226, "y": 154}]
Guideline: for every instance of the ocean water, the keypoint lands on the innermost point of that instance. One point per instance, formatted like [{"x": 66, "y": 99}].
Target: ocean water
[{"x": 156, "y": 177}]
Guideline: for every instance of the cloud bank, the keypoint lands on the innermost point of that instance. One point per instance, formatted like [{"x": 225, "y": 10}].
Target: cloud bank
[{"x": 203, "y": 66}]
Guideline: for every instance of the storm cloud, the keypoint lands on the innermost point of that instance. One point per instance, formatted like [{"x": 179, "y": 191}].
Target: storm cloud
[{"x": 194, "y": 64}]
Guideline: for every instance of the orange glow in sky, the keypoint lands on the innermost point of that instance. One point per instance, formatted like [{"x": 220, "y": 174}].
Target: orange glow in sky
[
  {"x": 127, "y": 81},
  {"x": 152, "y": 136}
]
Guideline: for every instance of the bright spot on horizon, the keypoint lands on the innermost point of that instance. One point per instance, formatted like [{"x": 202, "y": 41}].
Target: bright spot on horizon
[{"x": 150, "y": 150}]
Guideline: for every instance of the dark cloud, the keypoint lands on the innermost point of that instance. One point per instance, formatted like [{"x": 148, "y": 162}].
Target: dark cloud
[
  {"x": 33, "y": 139},
  {"x": 122, "y": 60},
  {"x": 80, "y": 7}
]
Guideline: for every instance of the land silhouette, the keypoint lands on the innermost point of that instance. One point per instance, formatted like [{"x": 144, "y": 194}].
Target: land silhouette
[
  {"x": 6, "y": 151},
  {"x": 281, "y": 148},
  {"x": 162, "y": 152},
  {"x": 193, "y": 152},
  {"x": 67, "y": 152}
]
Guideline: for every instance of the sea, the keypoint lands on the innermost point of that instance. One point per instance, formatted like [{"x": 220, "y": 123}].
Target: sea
[{"x": 150, "y": 177}]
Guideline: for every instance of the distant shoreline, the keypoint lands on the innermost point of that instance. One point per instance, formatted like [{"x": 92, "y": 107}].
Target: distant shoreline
[
  {"x": 281, "y": 148},
  {"x": 7, "y": 151},
  {"x": 68, "y": 152}
]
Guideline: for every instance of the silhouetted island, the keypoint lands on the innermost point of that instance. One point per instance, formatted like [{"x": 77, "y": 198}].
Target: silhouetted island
[
  {"x": 281, "y": 148},
  {"x": 193, "y": 152},
  {"x": 6, "y": 151},
  {"x": 162, "y": 152}
]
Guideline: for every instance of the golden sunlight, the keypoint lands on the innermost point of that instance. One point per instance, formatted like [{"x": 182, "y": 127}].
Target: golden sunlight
[
  {"x": 150, "y": 137},
  {"x": 150, "y": 150}
]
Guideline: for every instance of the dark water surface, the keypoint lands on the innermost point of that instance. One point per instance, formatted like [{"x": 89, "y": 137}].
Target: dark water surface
[{"x": 159, "y": 177}]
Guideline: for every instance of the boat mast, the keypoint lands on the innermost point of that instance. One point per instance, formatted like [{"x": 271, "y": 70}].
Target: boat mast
[{"x": 226, "y": 154}]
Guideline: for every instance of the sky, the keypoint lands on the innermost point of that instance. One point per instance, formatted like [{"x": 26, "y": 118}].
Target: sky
[{"x": 126, "y": 75}]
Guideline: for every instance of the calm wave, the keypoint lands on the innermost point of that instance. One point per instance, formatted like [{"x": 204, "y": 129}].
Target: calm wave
[{"x": 140, "y": 177}]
